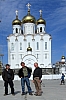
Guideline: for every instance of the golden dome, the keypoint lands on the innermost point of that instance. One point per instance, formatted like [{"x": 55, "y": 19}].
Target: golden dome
[
  {"x": 28, "y": 18},
  {"x": 41, "y": 21},
  {"x": 16, "y": 21},
  {"x": 29, "y": 49},
  {"x": 63, "y": 57}
]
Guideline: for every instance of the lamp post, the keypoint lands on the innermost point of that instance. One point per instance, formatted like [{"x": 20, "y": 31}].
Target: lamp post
[{"x": 53, "y": 70}]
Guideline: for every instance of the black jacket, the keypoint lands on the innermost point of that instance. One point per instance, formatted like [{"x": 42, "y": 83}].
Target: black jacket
[
  {"x": 37, "y": 73},
  {"x": 5, "y": 74},
  {"x": 20, "y": 73}
]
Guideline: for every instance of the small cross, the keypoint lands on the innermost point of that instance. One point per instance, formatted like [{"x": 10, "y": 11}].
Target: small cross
[
  {"x": 40, "y": 12},
  {"x": 28, "y": 5},
  {"x": 16, "y": 12}
]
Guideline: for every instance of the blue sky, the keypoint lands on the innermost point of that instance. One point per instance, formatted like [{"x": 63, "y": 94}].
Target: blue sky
[{"x": 54, "y": 12}]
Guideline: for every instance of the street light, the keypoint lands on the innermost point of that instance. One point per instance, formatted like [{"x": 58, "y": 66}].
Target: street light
[{"x": 53, "y": 68}]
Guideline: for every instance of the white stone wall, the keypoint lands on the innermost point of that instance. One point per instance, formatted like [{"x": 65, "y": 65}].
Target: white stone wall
[
  {"x": 58, "y": 76},
  {"x": 15, "y": 63}
]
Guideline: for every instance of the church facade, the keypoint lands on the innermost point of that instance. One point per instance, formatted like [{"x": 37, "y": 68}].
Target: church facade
[{"x": 29, "y": 42}]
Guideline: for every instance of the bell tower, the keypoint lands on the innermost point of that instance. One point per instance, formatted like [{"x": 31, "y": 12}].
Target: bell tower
[{"x": 16, "y": 24}]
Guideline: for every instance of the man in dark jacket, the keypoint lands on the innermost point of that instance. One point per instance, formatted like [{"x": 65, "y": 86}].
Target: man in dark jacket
[
  {"x": 23, "y": 74},
  {"x": 62, "y": 79},
  {"x": 37, "y": 75},
  {"x": 8, "y": 77}
]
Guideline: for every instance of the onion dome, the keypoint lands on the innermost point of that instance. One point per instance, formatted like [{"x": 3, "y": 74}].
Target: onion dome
[
  {"x": 28, "y": 18},
  {"x": 41, "y": 20},
  {"x": 16, "y": 21},
  {"x": 29, "y": 48},
  {"x": 63, "y": 57}
]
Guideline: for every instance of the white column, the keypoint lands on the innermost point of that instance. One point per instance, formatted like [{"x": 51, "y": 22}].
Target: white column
[
  {"x": 24, "y": 45},
  {"x": 41, "y": 51},
  {"x": 16, "y": 52},
  {"x": 33, "y": 46},
  {"x": 9, "y": 60},
  {"x": 50, "y": 51}
]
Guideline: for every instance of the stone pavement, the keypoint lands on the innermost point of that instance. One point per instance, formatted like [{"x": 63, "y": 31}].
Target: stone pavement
[{"x": 52, "y": 90}]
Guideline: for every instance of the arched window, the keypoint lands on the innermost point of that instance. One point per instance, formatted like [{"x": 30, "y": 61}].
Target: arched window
[
  {"x": 44, "y": 28},
  {"x": 33, "y": 29},
  {"x": 20, "y": 56},
  {"x": 12, "y": 46},
  {"x": 16, "y": 30},
  {"x": 37, "y": 45},
  {"x": 37, "y": 56},
  {"x": 24, "y": 29},
  {"x": 45, "y": 45},
  {"x": 20, "y": 46},
  {"x": 45, "y": 55},
  {"x": 40, "y": 29},
  {"x": 12, "y": 56}
]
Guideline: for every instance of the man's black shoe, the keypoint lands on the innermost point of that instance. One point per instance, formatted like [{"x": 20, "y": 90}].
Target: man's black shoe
[
  {"x": 38, "y": 94},
  {"x": 23, "y": 93},
  {"x": 30, "y": 94},
  {"x": 35, "y": 94},
  {"x": 13, "y": 94},
  {"x": 5, "y": 94}
]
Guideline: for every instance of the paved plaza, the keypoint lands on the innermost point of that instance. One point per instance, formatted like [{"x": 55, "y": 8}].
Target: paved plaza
[{"x": 52, "y": 90}]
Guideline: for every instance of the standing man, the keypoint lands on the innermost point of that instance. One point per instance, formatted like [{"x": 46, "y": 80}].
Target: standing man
[
  {"x": 37, "y": 75},
  {"x": 23, "y": 74},
  {"x": 62, "y": 79},
  {"x": 8, "y": 76}
]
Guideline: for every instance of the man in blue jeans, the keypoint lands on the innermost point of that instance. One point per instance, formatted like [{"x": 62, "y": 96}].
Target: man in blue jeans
[{"x": 23, "y": 74}]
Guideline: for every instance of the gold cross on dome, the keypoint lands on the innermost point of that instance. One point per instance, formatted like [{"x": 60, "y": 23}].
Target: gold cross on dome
[{"x": 28, "y": 5}]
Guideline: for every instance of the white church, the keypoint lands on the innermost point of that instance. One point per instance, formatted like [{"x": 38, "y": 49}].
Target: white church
[{"x": 29, "y": 42}]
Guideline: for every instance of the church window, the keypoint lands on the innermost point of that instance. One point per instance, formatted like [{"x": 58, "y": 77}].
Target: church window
[
  {"x": 20, "y": 46},
  {"x": 20, "y": 56},
  {"x": 37, "y": 56},
  {"x": 46, "y": 56},
  {"x": 16, "y": 30},
  {"x": 28, "y": 44},
  {"x": 33, "y": 29},
  {"x": 24, "y": 29},
  {"x": 37, "y": 45},
  {"x": 45, "y": 45},
  {"x": 40, "y": 29},
  {"x": 44, "y": 29},
  {"x": 13, "y": 56},
  {"x": 12, "y": 46},
  {"x": 19, "y": 30}
]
